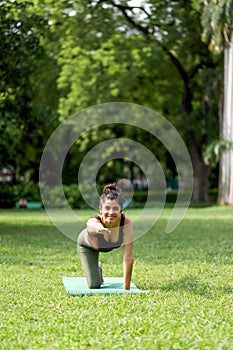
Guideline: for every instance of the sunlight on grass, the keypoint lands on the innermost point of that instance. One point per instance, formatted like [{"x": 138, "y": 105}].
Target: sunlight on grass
[{"x": 188, "y": 272}]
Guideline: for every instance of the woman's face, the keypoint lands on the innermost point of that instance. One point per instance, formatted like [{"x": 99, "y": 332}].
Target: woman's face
[{"x": 111, "y": 212}]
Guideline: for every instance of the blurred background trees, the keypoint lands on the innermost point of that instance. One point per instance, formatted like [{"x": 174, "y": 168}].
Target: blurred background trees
[{"x": 57, "y": 58}]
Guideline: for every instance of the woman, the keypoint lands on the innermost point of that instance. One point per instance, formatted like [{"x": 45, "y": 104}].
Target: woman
[{"x": 105, "y": 232}]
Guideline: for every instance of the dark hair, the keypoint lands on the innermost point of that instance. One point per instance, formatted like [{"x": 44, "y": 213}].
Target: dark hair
[{"x": 111, "y": 191}]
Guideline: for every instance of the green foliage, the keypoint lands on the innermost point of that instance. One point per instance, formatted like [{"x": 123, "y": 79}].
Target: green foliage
[
  {"x": 213, "y": 195},
  {"x": 171, "y": 196},
  {"x": 54, "y": 197},
  {"x": 67, "y": 55},
  {"x": 188, "y": 273},
  {"x": 217, "y": 21},
  {"x": 123, "y": 68},
  {"x": 7, "y": 197},
  {"x": 20, "y": 48},
  {"x": 28, "y": 190},
  {"x": 153, "y": 56},
  {"x": 140, "y": 197},
  {"x": 26, "y": 111},
  {"x": 214, "y": 150},
  {"x": 75, "y": 198}
]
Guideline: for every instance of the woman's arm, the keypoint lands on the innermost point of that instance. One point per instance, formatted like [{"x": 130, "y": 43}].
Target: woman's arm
[
  {"x": 128, "y": 266},
  {"x": 128, "y": 253},
  {"x": 94, "y": 226}
]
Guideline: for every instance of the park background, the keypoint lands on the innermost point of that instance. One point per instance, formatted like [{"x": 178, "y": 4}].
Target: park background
[{"x": 59, "y": 57}]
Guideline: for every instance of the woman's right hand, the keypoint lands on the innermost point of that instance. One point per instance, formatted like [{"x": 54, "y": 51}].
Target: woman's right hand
[
  {"x": 106, "y": 232},
  {"x": 103, "y": 230}
]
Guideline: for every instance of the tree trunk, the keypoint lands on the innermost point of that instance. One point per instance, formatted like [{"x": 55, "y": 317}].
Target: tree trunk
[
  {"x": 225, "y": 194},
  {"x": 201, "y": 175}
]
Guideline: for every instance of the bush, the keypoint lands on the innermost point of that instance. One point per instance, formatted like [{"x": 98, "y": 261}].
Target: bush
[
  {"x": 73, "y": 196},
  {"x": 171, "y": 196},
  {"x": 28, "y": 190},
  {"x": 31, "y": 192},
  {"x": 213, "y": 195},
  {"x": 7, "y": 198},
  {"x": 53, "y": 198},
  {"x": 141, "y": 196}
]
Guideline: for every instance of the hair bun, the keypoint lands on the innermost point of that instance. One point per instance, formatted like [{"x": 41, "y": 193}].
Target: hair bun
[
  {"x": 111, "y": 191},
  {"x": 112, "y": 187}
]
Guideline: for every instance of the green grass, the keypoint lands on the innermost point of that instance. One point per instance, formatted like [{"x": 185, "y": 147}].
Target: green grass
[{"x": 188, "y": 272}]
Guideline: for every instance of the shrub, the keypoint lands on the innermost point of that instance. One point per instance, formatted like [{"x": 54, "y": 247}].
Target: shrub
[
  {"x": 213, "y": 195},
  {"x": 53, "y": 198},
  {"x": 73, "y": 196},
  {"x": 28, "y": 190},
  {"x": 142, "y": 196},
  {"x": 7, "y": 198},
  {"x": 171, "y": 196}
]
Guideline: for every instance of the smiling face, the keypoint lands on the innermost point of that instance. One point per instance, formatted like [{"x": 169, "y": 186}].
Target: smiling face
[{"x": 111, "y": 213}]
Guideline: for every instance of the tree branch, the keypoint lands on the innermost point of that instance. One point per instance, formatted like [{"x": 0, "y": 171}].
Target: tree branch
[
  {"x": 123, "y": 9},
  {"x": 200, "y": 65}
]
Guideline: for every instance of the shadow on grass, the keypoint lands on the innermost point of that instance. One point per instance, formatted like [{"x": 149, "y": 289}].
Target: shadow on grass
[{"x": 191, "y": 285}]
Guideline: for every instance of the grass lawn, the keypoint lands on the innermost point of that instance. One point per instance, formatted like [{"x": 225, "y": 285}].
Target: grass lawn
[{"x": 189, "y": 274}]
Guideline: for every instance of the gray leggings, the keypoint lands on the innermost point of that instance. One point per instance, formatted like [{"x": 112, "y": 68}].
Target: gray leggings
[{"x": 90, "y": 261}]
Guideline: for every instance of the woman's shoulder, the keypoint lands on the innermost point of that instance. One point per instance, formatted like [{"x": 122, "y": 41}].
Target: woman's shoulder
[
  {"x": 127, "y": 219},
  {"x": 95, "y": 218}
]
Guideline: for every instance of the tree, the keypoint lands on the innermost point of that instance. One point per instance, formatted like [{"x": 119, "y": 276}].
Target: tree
[
  {"x": 25, "y": 109},
  {"x": 217, "y": 21},
  {"x": 151, "y": 54}
]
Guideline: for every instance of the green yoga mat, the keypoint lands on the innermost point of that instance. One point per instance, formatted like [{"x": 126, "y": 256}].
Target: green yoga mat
[{"x": 112, "y": 285}]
